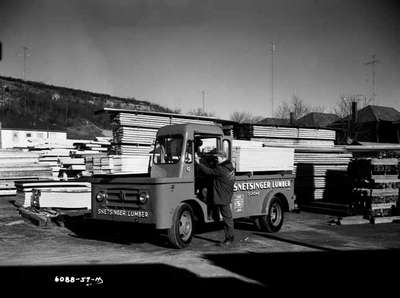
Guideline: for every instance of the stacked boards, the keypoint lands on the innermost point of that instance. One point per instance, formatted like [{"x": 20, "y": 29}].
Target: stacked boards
[
  {"x": 321, "y": 174},
  {"x": 287, "y": 136},
  {"x": 376, "y": 185},
  {"x": 114, "y": 164},
  {"x": 319, "y": 165},
  {"x": 134, "y": 132},
  {"x": 252, "y": 158},
  {"x": 53, "y": 194},
  {"x": 98, "y": 146},
  {"x": 18, "y": 165}
]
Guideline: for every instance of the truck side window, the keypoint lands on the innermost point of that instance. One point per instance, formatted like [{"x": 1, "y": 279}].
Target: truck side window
[
  {"x": 189, "y": 152},
  {"x": 226, "y": 146},
  {"x": 168, "y": 149}
]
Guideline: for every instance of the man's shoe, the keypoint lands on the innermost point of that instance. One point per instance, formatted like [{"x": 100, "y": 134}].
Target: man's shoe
[{"x": 227, "y": 242}]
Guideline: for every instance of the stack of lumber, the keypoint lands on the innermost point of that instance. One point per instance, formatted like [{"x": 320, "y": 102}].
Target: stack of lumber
[
  {"x": 18, "y": 165},
  {"x": 133, "y": 150},
  {"x": 287, "y": 136},
  {"x": 321, "y": 174},
  {"x": 252, "y": 159},
  {"x": 90, "y": 161},
  {"x": 378, "y": 150},
  {"x": 51, "y": 158},
  {"x": 98, "y": 146},
  {"x": 114, "y": 164},
  {"x": 53, "y": 194},
  {"x": 320, "y": 166},
  {"x": 134, "y": 133},
  {"x": 376, "y": 185}
]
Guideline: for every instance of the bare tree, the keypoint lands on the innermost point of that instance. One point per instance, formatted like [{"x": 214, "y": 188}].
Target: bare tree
[
  {"x": 200, "y": 112},
  {"x": 245, "y": 117},
  {"x": 298, "y": 107},
  {"x": 343, "y": 106}
]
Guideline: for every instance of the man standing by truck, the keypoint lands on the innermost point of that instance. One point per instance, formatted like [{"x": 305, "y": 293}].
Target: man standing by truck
[{"x": 223, "y": 181}]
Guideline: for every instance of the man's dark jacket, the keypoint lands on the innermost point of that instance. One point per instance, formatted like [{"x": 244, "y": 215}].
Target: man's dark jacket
[{"x": 224, "y": 179}]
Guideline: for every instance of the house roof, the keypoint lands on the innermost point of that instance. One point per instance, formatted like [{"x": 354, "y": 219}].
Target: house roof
[
  {"x": 315, "y": 119},
  {"x": 374, "y": 113},
  {"x": 274, "y": 121}
]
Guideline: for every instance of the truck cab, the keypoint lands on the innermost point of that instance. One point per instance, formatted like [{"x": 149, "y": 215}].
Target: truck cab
[{"x": 174, "y": 196}]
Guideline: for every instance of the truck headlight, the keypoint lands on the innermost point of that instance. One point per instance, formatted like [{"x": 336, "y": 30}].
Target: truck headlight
[
  {"x": 101, "y": 196},
  {"x": 144, "y": 197}
]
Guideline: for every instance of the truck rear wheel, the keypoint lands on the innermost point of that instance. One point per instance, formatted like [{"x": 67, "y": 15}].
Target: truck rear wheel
[
  {"x": 273, "y": 220},
  {"x": 181, "y": 232}
]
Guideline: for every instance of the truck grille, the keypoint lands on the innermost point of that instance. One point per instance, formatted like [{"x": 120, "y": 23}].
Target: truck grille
[{"x": 122, "y": 196}]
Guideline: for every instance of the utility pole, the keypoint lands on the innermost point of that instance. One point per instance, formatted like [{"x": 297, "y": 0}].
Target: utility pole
[
  {"x": 203, "y": 96},
  {"x": 373, "y": 63},
  {"x": 272, "y": 77},
  {"x": 25, "y": 55}
]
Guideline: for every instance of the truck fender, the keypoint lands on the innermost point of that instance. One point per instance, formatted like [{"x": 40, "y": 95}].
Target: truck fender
[
  {"x": 197, "y": 209},
  {"x": 267, "y": 201}
]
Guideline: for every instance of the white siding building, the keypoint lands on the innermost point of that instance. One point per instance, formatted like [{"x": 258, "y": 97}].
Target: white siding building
[{"x": 10, "y": 138}]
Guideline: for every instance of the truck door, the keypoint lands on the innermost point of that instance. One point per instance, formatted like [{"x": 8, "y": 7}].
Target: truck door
[{"x": 205, "y": 147}]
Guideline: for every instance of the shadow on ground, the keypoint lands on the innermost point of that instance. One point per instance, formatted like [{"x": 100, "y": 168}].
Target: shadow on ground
[
  {"x": 127, "y": 233},
  {"x": 116, "y": 232},
  {"x": 141, "y": 278},
  {"x": 329, "y": 271}
]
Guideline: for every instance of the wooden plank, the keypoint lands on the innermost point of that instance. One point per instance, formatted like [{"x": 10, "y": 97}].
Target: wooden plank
[
  {"x": 36, "y": 218},
  {"x": 386, "y": 219},
  {"x": 353, "y": 220},
  {"x": 262, "y": 159}
]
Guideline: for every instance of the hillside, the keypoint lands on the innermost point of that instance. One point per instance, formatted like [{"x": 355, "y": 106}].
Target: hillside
[{"x": 28, "y": 104}]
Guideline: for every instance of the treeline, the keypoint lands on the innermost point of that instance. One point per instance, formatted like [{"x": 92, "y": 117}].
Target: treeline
[{"x": 25, "y": 104}]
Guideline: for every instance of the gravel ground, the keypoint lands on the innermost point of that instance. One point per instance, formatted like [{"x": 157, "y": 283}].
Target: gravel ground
[{"x": 306, "y": 238}]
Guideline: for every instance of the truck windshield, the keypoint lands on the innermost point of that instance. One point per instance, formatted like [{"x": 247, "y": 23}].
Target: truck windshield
[{"x": 168, "y": 149}]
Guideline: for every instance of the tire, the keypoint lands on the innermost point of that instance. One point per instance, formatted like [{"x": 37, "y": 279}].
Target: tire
[
  {"x": 273, "y": 220},
  {"x": 181, "y": 232}
]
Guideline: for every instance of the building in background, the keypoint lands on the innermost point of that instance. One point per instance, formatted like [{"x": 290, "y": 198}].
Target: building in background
[
  {"x": 315, "y": 119},
  {"x": 24, "y": 138},
  {"x": 371, "y": 124}
]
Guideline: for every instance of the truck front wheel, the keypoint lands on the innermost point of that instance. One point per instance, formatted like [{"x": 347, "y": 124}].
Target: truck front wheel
[
  {"x": 181, "y": 232},
  {"x": 273, "y": 220}
]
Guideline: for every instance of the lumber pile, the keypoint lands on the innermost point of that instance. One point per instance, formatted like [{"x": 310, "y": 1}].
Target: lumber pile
[
  {"x": 51, "y": 157},
  {"x": 320, "y": 166},
  {"x": 114, "y": 164},
  {"x": 98, "y": 146},
  {"x": 376, "y": 185},
  {"x": 18, "y": 165},
  {"x": 252, "y": 159},
  {"x": 53, "y": 194},
  {"x": 321, "y": 175},
  {"x": 134, "y": 132},
  {"x": 286, "y": 136}
]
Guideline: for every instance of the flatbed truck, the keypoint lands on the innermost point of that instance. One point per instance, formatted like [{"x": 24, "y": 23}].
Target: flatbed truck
[{"x": 172, "y": 197}]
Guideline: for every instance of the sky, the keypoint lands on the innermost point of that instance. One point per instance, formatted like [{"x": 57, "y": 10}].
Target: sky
[{"x": 169, "y": 51}]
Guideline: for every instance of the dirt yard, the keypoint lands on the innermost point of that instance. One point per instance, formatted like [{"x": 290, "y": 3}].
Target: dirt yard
[{"x": 306, "y": 242}]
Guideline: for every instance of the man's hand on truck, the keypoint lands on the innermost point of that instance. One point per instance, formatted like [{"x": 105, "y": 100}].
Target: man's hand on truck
[{"x": 196, "y": 158}]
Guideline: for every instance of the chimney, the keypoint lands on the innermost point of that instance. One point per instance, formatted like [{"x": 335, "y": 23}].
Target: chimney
[
  {"x": 291, "y": 121},
  {"x": 353, "y": 120}
]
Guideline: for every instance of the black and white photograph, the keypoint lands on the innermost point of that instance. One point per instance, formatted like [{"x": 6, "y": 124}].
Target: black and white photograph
[{"x": 182, "y": 147}]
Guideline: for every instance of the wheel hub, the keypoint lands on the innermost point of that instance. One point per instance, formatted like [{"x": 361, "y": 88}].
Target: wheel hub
[{"x": 185, "y": 226}]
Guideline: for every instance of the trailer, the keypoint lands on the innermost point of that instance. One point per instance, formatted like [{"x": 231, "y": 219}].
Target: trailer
[{"x": 173, "y": 195}]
